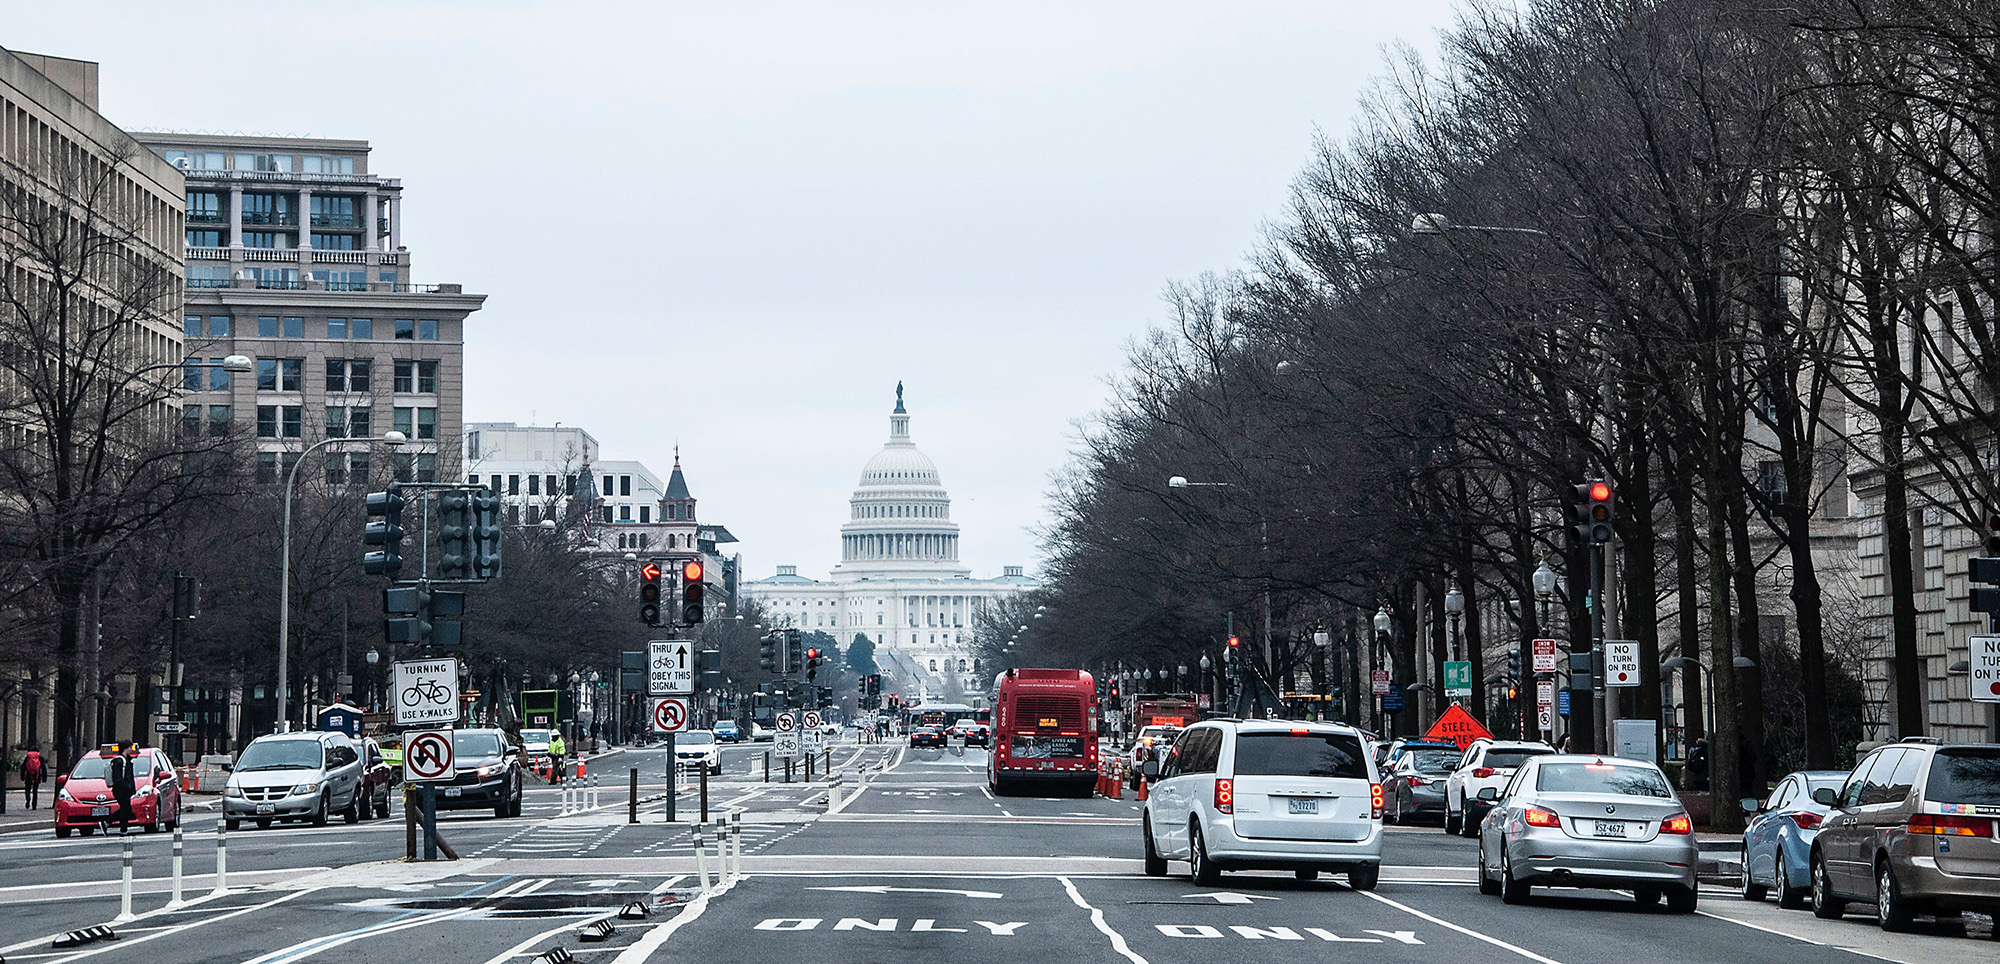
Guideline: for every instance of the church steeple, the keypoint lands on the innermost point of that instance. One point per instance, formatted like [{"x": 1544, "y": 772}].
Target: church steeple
[{"x": 678, "y": 505}]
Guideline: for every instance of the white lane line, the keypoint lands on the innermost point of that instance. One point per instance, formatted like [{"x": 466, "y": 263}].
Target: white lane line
[
  {"x": 1097, "y": 919},
  {"x": 644, "y": 947},
  {"x": 125, "y": 940},
  {"x": 1803, "y": 940},
  {"x": 1469, "y": 932}
]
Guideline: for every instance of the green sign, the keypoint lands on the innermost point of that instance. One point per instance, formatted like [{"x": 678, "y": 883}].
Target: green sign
[{"x": 1458, "y": 677}]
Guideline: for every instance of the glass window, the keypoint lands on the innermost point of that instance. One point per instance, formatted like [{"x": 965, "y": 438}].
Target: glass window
[
  {"x": 550, "y": 483},
  {"x": 643, "y": 510},
  {"x": 360, "y": 328},
  {"x": 191, "y": 374},
  {"x": 1307, "y": 754},
  {"x": 534, "y": 485},
  {"x": 191, "y": 420},
  {"x": 608, "y": 489},
  {"x": 274, "y": 163},
  {"x": 513, "y": 485},
  {"x": 267, "y": 374},
  {"x": 358, "y": 468},
  {"x": 218, "y": 420},
  {"x": 1627, "y": 781},
  {"x": 387, "y": 275},
  {"x": 218, "y": 326},
  {"x": 331, "y": 242},
  {"x": 624, "y": 513},
  {"x": 406, "y": 329},
  {"x": 359, "y": 422},
  {"x": 405, "y": 422},
  {"x": 606, "y": 511},
  {"x": 295, "y": 327},
  {"x": 1964, "y": 775},
  {"x": 267, "y": 326},
  {"x": 267, "y": 467},
  {"x": 291, "y": 420},
  {"x": 1904, "y": 779},
  {"x": 1850, "y": 792},
  {"x": 1500, "y": 759},
  {"x": 290, "y": 372},
  {"x": 472, "y": 480},
  {"x": 266, "y": 239},
  {"x": 267, "y": 421},
  {"x": 427, "y": 329},
  {"x": 322, "y": 164},
  {"x": 203, "y": 238},
  {"x": 336, "y": 423},
  {"x": 427, "y": 467},
  {"x": 405, "y": 376},
  {"x": 427, "y": 378},
  {"x": 205, "y": 206},
  {"x": 336, "y": 375},
  {"x": 1875, "y": 789},
  {"x": 359, "y": 374},
  {"x": 624, "y": 485},
  {"x": 336, "y": 328}
]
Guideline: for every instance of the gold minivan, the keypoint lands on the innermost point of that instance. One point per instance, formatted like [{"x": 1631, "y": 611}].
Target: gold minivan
[{"x": 1915, "y": 830}]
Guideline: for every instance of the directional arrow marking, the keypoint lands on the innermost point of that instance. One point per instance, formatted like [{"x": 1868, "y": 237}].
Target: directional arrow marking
[
  {"x": 882, "y": 889},
  {"x": 1227, "y": 897}
]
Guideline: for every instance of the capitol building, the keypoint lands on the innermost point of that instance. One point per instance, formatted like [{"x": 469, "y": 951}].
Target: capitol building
[{"x": 899, "y": 580}]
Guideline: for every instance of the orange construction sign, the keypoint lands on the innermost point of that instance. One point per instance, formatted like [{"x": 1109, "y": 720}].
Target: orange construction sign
[{"x": 1459, "y": 727}]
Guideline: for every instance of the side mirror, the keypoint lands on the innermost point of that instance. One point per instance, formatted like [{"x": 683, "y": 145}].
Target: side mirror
[
  {"x": 1826, "y": 797},
  {"x": 61, "y": 779},
  {"x": 229, "y": 768},
  {"x": 1151, "y": 768},
  {"x": 513, "y": 750},
  {"x": 1751, "y": 805},
  {"x": 1489, "y": 794}
]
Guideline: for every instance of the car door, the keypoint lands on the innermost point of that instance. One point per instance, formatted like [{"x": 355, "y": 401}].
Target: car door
[
  {"x": 1843, "y": 834},
  {"x": 1760, "y": 838},
  {"x": 1454, "y": 785},
  {"x": 1166, "y": 803}
]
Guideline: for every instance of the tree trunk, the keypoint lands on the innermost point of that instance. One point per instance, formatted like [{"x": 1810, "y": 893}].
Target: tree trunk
[
  {"x": 1749, "y": 641},
  {"x": 1640, "y": 591},
  {"x": 1688, "y": 625}
]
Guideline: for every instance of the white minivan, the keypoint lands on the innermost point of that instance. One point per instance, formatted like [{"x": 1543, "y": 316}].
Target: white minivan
[{"x": 1266, "y": 795}]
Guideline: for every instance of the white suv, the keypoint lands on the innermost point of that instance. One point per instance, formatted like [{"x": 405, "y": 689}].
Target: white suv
[
  {"x": 1487, "y": 763},
  {"x": 1266, "y": 795}
]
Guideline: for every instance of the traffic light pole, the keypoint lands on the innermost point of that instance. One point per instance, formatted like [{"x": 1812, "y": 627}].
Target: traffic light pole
[{"x": 1598, "y": 717}]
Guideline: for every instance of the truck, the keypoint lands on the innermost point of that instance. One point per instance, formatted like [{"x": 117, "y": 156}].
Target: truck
[{"x": 1174, "y": 711}]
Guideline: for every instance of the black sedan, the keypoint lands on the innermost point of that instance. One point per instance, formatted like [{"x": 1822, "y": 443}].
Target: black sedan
[{"x": 926, "y": 736}]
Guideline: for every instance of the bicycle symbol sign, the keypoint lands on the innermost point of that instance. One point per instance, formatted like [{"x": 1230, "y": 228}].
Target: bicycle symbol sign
[
  {"x": 427, "y": 756},
  {"x": 426, "y": 691}
]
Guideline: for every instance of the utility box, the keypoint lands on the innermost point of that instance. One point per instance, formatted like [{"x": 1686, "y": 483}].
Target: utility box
[{"x": 1635, "y": 740}]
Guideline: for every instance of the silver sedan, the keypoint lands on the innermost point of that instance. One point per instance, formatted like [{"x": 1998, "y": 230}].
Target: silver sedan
[{"x": 1588, "y": 821}]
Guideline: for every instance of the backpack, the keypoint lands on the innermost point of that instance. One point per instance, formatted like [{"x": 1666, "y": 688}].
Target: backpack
[{"x": 31, "y": 766}]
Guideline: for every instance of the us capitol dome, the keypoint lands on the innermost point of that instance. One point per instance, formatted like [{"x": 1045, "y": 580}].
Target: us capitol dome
[{"x": 899, "y": 581}]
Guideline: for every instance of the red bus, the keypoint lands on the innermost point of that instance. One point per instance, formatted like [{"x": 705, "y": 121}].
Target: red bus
[{"x": 1044, "y": 730}]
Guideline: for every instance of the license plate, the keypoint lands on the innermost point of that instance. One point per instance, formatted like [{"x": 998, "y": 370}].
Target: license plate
[
  {"x": 1301, "y": 805},
  {"x": 100, "y": 811},
  {"x": 267, "y": 808},
  {"x": 1608, "y": 828},
  {"x": 460, "y": 791}
]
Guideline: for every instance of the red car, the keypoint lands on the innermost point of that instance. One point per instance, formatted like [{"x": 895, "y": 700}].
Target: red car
[{"x": 84, "y": 800}]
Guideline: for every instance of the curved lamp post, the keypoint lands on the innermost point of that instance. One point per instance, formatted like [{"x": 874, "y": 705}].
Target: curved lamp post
[{"x": 393, "y": 439}]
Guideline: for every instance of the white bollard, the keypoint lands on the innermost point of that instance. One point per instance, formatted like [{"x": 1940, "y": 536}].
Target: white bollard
[
  {"x": 221, "y": 855},
  {"x": 125, "y": 887},
  {"x": 177, "y": 862},
  {"x": 594, "y": 797},
  {"x": 736, "y": 837},
  {"x": 700, "y": 856}
]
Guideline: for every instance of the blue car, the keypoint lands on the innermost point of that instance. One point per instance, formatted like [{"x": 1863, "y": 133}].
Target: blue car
[{"x": 1777, "y": 845}]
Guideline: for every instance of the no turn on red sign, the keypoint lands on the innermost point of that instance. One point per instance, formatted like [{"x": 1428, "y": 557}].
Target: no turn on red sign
[
  {"x": 1984, "y": 664},
  {"x": 670, "y": 715}
]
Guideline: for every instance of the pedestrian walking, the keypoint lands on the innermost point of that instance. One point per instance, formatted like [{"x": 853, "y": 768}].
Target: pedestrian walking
[
  {"x": 1697, "y": 764},
  {"x": 124, "y": 786},
  {"x": 33, "y": 772},
  {"x": 557, "y": 750}
]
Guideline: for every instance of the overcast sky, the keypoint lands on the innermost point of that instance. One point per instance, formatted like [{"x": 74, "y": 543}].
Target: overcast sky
[{"x": 734, "y": 226}]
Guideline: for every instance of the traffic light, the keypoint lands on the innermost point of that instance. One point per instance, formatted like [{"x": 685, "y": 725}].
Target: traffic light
[
  {"x": 409, "y": 612},
  {"x": 767, "y": 652},
  {"x": 1595, "y": 506},
  {"x": 454, "y": 535},
  {"x": 385, "y": 529},
  {"x": 1235, "y": 646},
  {"x": 1984, "y": 570},
  {"x": 795, "y": 655},
  {"x": 649, "y": 594},
  {"x": 485, "y": 534},
  {"x": 692, "y": 591},
  {"x": 812, "y": 664}
]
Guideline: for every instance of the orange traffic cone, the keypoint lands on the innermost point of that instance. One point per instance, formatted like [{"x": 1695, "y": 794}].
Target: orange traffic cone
[
  {"x": 1141, "y": 793},
  {"x": 579, "y": 768}
]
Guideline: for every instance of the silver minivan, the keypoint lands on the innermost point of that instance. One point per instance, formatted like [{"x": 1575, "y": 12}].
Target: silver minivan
[
  {"x": 1266, "y": 795},
  {"x": 295, "y": 776}
]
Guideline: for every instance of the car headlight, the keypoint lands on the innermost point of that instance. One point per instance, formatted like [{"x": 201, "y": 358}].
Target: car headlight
[
  {"x": 485, "y": 772},
  {"x": 64, "y": 795},
  {"x": 146, "y": 791},
  {"x": 306, "y": 788},
  {"x": 232, "y": 790}
]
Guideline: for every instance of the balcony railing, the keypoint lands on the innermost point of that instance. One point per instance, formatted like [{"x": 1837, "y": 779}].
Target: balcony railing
[
  {"x": 270, "y": 254},
  {"x": 336, "y": 221},
  {"x": 208, "y": 217},
  {"x": 207, "y": 254},
  {"x": 279, "y": 218},
  {"x": 362, "y": 179},
  {"x": 332, "y": 256}
]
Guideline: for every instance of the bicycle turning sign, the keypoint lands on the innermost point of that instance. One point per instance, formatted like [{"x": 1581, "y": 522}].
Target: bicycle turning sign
[{"x": 426, "y": 691}]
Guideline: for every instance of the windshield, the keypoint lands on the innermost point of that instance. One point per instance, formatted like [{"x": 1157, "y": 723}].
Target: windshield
[
  {"x": 1627, "y": 781},
  {"x": 1964, "y": 776},
  {"x": 1301, "y": 755},
  {"x": 94, "y": 768},
  {"x": 534, "y": 736},
  {"x": 1511, "y": 758},
  {"x": 697, "y": 738},
  {"x": 471, "y": 745},
  {"x": 1433, "y": 761},
  {"x": 280, "y": 755}
]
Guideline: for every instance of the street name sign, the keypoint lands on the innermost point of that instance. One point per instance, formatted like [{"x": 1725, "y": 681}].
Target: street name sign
[
  {"x": 1984, "y": 662},
  {"x": 171, "y": 726},
  {"x": 1621, "y": 662},
  {"x": 1545, "y": 656},
  {"x": 670, "y": 667},
  {"x": 425, "y": 690},
  {"x": 1457, "y": 678},
  {"x": 670, "y": 714},
  {"x": 427, "y": 757}
]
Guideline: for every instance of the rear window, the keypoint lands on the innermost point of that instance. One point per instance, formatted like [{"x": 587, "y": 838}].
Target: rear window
[
  {"x": 1511, "y": 758},
  {"x": 1433, "y": 761},
  {"x": 1602, "y": 778},
  {"x": 1964, "y": 776},
  {"x": 1300, "y": 755}
]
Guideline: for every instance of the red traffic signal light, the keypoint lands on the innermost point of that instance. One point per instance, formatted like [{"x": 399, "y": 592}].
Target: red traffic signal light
[
  {"x": 1600, "y": 492},
  {"x": 691, "y": 570},
  {"x": 650, "y": 571},
  {"x": 1234, "y": 642},
  {"x": 812, "y": 654}
]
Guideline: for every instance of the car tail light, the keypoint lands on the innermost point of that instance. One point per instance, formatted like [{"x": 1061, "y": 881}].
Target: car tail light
[
  {"x": 1375, "y": 800},
  {"x": 1678, "y": 823},
  {"x": 1806, "y": 819},
  {"x": 1225, "y": 796},
  {"x": 1481, "y": 773},
  {"x": 1948, "y": 825},
  {"x": 1419, "y": 782},
  {"x": 1537, "y": 817}
]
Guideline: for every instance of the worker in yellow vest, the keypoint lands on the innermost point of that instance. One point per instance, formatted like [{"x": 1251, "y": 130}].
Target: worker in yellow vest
[{"x": 557, "y": 750}]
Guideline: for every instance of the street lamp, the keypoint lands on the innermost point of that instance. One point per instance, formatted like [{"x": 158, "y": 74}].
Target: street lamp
[
  {"x": 392, "y": 439},
  {"x": 1383, "y": 624},
  {"x": 1181, "y": 482},
  {"x": 1545, "y": 589},
  {"x": 1435, "y": 225},
  {"x": 1454, "y": 606}
]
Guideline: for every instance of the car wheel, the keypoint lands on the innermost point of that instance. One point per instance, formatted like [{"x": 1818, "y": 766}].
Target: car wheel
[
  {"x": 1201, "y": 870},
  {"x": 1469, "y": 824},
  {"x": 353, "y": 812},
  {"x": 1891, "y": 910},
  {"x": 318, "y": 815},
  {"x": 1682, "y": 900},
  {"x": 1156, "y": 865},
  {"x": 159, "y": 818},
  {"x": 175, "y": 823},
  {"x": 263, "y": 823},
  {"x": 1824, "y": 904},
  {"x": 1487, "y": 885},
  {"x": 1789, "y": 897},
  {"x": 514, "y": 809},
  {"x": 1364, "y": 876},
  {"x": 231, "y": 823},
  {"x": 1751, "y": 889},
  {"x": 382, "y": 809},
  {"x": 1452, "y": 823},
  {"x": 1511, "y": 891},
  {"x": 62, "y": 832}
]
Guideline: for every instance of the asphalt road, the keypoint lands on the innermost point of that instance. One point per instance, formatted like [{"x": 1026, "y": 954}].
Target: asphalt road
[{"x": 921, "y": 864}]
